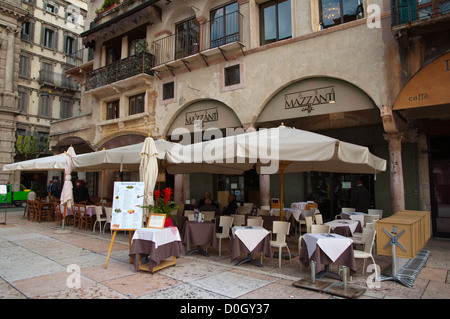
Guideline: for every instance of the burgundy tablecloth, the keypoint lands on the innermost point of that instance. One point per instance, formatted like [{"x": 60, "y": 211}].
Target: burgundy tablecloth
[
  {"x": 199, "y": 234},
  {"x": 237, "y": 247},
  {"x": 146, "y": 248},
  {"x": 345, "y": 259}
]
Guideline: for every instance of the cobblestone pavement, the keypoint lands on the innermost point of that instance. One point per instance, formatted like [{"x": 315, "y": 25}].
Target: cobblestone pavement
[{"x": 37, "y": 262}]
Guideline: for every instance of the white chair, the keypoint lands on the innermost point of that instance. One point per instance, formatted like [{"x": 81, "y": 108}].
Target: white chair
[
  {"x": 249, "y": 205},
  {"x": 318, "y": 219},
  {"x": 188, "y": 212},
  {"x": 368, "y": 241},
  {"x": 264, "y": 212},
  {"x": 208, "y": 215},
  {"x": 378, "y": 212},
  {"x": 225, "y": 222},
  {"x": 108, "y": 211},
  {"x": 239, "y": 220},
  {"x": 265, "y": 207},
  {"x": 281, "y": 229},
  {"x": 276, "y": 212},
  {"x": 309, "y": 223},
  {"x": 255, "y": 222},
  {"x": 191, "y": 217},
  {"x": 99, "y": 219},
  {"x": 320, "y": 229},
  {"x": 243, "y": 210},
  {"x": 347, "y": 210},
  {"x": 370, "y": 218}
]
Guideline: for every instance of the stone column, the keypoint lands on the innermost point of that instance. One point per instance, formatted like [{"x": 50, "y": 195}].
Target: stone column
[
  {"x": 396, "y": 167},
  {"x": 264, "y": 190},
  {"x": 178, "y": 191}
]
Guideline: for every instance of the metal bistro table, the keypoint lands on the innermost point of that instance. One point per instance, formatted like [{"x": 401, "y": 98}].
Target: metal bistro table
[
  {"x": 199, "y": 234},
  {"x": 249, "y": 239},
  {"x": 327, "y": 249}
]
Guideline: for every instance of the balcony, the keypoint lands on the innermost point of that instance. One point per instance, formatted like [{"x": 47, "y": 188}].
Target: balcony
[
  {"x": 208, "y": 35},
  {"x": 141, "y": 63},
  {"x": 57, "y": 80},
  {"x": 418, "y": 12}
]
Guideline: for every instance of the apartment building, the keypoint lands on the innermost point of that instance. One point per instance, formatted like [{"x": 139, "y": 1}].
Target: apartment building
[
  {"x": 329, "y": 66},
  {"x": 47, "y": 44}
]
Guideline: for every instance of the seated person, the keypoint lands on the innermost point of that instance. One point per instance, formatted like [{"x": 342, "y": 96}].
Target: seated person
[
  {"x": 208, "y": 206},
  {"x": 232, "y": 205}
]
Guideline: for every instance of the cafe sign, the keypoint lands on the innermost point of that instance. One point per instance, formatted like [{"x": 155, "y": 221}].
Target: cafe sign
[
  {"x": 315, "y": 96},
  {"x": 427, "y": 87}
]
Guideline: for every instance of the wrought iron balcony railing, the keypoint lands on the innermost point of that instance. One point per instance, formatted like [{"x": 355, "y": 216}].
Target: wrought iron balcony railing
[
  {"x": 57, "y": 79},
  {"x": 120, "y": 70},
  {"x": 207, "y": 35},
  {"x": 407, "y": 11}
]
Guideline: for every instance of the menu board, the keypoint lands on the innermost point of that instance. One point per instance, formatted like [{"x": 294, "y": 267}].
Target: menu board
[{"x": 127, "y": 201}]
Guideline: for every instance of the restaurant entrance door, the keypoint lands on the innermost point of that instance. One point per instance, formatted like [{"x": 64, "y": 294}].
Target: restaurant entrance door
[{"x": 440, "y": 185}]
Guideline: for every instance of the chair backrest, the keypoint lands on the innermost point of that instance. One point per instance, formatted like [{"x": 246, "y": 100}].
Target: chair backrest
[
  {"x": 191, "y": 217},
  {"x": 255, "y": 222},
  {"x": 108, "y": 212},
  {"x": 371, "y": 225},
  {"x": 239, "y": 220},
  {"x": 225, "y": 222},
  {"x": 208, "y": 215},
  {"x": 276, "y": 212},
  {"x": 57, "y": 208},
  {"x": 320, "y": 229},
  {"x": 248, "y": 205},
  {"x": 264, "y": 212},
  {"x": 265, "y": 207},
  {"x": 98, "y": 212},
  {"x": 368, "y": 238},
  {"x": 243, "y": 210},
  {"x": 308, "y": 222},
  {"x": 378, "y": 212},
  {"x": 281, "y": 229},
  {"x": 319, "y": 219},
  {"x": 347, "y": 210},
  {"x": 370, "y": 218},
  {"x": 188, "y": 212},
  {"x": 82, "y": 209}
]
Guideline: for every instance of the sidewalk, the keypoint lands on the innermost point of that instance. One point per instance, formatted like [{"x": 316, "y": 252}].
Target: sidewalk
[{"x": 34, "y": 261}]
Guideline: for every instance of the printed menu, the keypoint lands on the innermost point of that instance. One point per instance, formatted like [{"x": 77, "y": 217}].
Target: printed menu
[{"x": 127, "y": 201}]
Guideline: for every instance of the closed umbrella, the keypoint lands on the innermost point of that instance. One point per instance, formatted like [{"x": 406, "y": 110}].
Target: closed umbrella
[
  {"x": 148, "y": 169},
  {"x": 66, "y": 192}
]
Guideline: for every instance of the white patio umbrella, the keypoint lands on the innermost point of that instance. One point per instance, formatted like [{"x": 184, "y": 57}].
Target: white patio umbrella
[
  {"x": 55, "y": 162},
  {"x": 148, "y": 169},
  {"x": 66, "y": 192},
  {"x": 276, "y": 151}
]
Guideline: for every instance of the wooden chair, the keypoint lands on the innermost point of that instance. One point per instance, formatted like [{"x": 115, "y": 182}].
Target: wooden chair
[
  {"x": 86, "y": 220},
  {"x": 77, "y": 219},
  {"x": 31, "y": 209},
  {"x": 57, "y": 211},
  {"x": 45, "y": 211}
]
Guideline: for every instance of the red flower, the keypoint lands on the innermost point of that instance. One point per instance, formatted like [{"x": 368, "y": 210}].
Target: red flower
[
  {"x": 157, "y": 195},
  {"x": 167, "y": 193}
]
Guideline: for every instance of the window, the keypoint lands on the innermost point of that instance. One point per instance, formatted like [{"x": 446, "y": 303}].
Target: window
[
  {"x": 137, "y": 41},
  {"x": 49, "y": 38},
  {"x": 137, "y": 104},
  {"x": 187, "y": 38},
  {"x": 24, "y": 66},
  {"x": 112, "y": 110},
  {"x": 66, "y": 109},
  {"x": 46, "y": 73},
  {"x": 275, "y": 21},
  {"x": 113, "y": 50},
  {"x": 27, "y": 31},
  {"x": 334, "y": 12},
  {"x": 23, "y": 101},
  {"x": 225, "y": 25},
  {"x": 168, "y": 90},
  {"x": 51, "y": 8},
  {"x": 45, "y": 103},
  {"x": 70, "y": 45},
  {"x": 232, "y": 75}
]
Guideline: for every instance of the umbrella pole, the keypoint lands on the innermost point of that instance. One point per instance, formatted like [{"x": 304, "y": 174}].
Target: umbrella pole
[
  {"x": 101, "y": 198},
  {"x": 64, "y": 216},
  {"x": 283, "y": 165}
]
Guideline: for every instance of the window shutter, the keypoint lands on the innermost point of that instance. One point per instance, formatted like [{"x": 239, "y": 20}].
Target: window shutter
[
  {"x": 42, "y": 35},
  {"x": 56, "y": 40}
]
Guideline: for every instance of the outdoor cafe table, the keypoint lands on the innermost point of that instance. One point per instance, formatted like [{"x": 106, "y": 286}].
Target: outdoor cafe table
[
  {"x": 327, "y": 249},
  {"x": 199, "y": 234},
  {"x": 158, "y": 245},
  {"x": 354, "y": 216},
  {"x": 346, "y": 227},
  {"x": 246, "y": 239}
]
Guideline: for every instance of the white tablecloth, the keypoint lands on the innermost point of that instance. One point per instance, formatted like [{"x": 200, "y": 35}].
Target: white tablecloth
[
  {"x": 352, "y": 224},
  {"x": 333, "y": 245},
  {"x": 158, "y": 236},
  {"x": 250, "y": 236},
  {"x": 356, "y": 216}
]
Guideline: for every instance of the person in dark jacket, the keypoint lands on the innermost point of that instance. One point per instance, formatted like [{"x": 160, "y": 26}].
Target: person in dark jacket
[
  {"x": 81, "y": 193},
  {"x": 360, "y": 197},
  {"x": 232, "y": 205}
]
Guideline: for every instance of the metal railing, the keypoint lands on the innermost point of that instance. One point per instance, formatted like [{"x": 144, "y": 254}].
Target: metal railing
[
  {"x": 57, "y": 79},
  {"x": 120, "y": 70},
  {"x": 407, "y": 11},
  {"x": 207, "y": 35}
]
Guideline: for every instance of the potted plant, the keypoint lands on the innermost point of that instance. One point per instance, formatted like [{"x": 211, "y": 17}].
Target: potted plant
[
  {"x": 164, "y": 205},
  {"x": 107, "y": 5}
]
